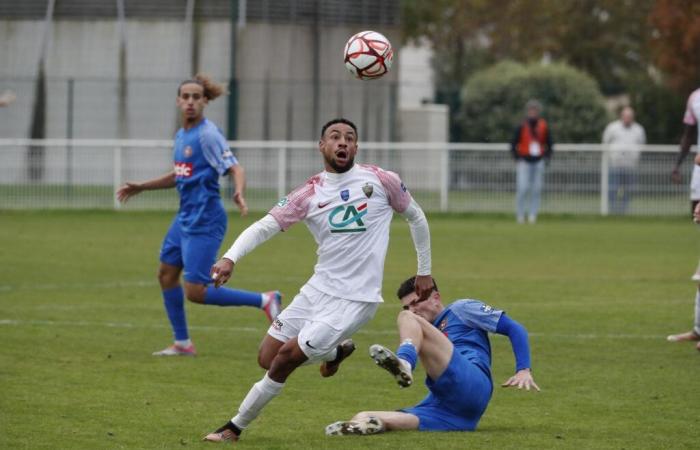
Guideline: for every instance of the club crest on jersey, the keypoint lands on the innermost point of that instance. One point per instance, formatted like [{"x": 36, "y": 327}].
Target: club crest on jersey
[
  {"x": 486, "y": 308},
  {"x": 345, "y": 194},
  {"x": 188, "y": 151},
  {"x": 183, "y": 169},
  {"x": 347, "y": 219},
  {"x": 442, "y": 325},
  {"x": 368, "y": 190},
  {"x": 283, "y": 201},
  {"x": 403, "y": 187}
]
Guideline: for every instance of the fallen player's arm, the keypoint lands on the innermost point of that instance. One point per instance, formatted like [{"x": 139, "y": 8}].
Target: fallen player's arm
[{"x": 521, "y": 349}]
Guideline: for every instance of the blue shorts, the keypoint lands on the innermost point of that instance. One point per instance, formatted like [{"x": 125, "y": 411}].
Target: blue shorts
[
  {"x": 195, "y": 252},
  {"x": 457, "y": 399}
]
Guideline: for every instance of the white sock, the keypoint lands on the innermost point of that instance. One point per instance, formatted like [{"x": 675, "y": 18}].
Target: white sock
[
  {"x": 259, "y": 395},
  {"x": 183, "y": 343},
  {"x": 265, "y": 299},
  {"x": 697, "y": 312}
]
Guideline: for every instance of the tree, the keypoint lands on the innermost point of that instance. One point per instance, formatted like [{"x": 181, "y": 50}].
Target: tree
[
  {"x": 493, "y": 101},
  {"x": 675, "y": 42},
  {"x": 605, "y": 38}
]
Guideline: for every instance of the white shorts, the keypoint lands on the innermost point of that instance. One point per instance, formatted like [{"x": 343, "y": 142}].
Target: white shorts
[
  {"x": 320, "y": 321},
  {"x": 695, "y": 183}
]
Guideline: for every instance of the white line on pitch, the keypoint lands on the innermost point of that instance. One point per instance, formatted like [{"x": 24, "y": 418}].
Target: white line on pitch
[{"x": 82, "y": 323}]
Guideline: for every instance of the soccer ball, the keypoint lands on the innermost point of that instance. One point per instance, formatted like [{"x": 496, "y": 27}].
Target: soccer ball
[{"x": 368, "y": 55}]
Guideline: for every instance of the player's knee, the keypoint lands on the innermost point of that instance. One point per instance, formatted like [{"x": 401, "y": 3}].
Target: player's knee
[
  {"x": 264, "y": 360},
  {"x": 167, "y": 279},
  {"x": 288, "y": 358},
  {"x": 195, "y": 292},
  {"x": 406, "y": 315}
]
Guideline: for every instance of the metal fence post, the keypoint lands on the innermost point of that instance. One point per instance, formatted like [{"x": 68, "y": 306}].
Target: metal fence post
[
  {"x": 116, "y": 175},
  {"x": 281, "y": 172},
  {"x": 444, "y": 177},
  {"x": 604, "y": 171}
]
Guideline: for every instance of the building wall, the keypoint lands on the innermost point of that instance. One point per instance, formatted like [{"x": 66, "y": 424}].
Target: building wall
[{"x": 275, "y": 69}]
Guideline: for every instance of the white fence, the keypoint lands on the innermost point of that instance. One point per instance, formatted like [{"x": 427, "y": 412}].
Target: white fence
[{"x": 454, "y": 177}]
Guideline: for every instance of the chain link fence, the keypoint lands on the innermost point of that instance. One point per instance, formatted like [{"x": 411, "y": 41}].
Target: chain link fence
[{"x": 465, "y": 177}]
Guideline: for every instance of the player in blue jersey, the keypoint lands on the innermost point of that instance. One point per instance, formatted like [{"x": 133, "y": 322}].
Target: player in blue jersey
[
  {"x": 201, "y": 156},
  {"x": 452, "y": 343}
]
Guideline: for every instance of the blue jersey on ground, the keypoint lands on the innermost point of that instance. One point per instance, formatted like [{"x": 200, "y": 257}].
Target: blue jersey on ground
[
  {"x": 201, "y": 156},
  {"x": 459, "y": 397},
  {"x": 466, "y": 323}
]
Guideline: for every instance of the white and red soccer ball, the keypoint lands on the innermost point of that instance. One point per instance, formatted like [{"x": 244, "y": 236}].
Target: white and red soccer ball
[{"x": 368, "y": 55}]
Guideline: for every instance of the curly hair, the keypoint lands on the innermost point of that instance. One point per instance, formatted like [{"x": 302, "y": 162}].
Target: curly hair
[{"x": 212, "y": 89}]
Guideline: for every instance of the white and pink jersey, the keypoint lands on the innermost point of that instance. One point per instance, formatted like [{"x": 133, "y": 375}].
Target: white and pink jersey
[
  {"x": 692, "y": 113},
  {"x": 692, "y": 110},
  {"x": 349, "y": 215}
]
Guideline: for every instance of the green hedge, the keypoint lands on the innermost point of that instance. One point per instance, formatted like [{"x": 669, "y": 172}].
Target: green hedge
[{"x": 493, "y": 102}]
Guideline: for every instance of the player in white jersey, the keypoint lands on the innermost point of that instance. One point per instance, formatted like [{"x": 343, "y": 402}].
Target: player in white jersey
[
  {"x": 348, "y": 209},
  {"x": 690, "y": 135}
]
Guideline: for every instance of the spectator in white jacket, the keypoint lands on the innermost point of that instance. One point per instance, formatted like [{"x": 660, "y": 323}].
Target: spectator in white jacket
[{"x": 624, "y": 138}]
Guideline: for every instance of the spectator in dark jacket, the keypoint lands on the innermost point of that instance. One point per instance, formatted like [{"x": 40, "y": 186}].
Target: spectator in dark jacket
[{"x": 531, "y": 147}]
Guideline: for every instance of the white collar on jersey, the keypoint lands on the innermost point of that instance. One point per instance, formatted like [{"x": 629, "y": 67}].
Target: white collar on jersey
[{"x": 339, "y": 177}]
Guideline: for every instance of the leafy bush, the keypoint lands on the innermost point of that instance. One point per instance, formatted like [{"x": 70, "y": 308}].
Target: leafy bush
[{"x": 493, "y": 102}]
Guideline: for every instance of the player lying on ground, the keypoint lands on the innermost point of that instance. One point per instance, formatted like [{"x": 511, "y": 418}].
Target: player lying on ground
[
  {"x": 453, "y": 345},
  {"x": 348, "y": 208}
]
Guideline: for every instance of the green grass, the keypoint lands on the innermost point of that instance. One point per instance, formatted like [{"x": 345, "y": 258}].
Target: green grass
[
  {"x": 80, "y": 312},
  {"x": 493, "y": 200}
]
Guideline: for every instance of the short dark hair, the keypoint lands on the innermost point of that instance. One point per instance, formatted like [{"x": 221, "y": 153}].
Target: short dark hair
[
  {"x": 409, "y": 286},
  {"x": 338, "y": 120}
]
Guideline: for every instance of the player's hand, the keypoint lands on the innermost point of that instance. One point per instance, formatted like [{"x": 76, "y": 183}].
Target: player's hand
[
  {"x": 696, "y": 214},
  {"x": 127, "y": 191},
  {"x": 239, "y": 200},
  {"x": 424, "y": 286},
  {"x": 522, "y": 379},
  {"x": 676, "y": 176},
  {"x": 221, "y": 271},
  {"x": 7, "y": 97}
]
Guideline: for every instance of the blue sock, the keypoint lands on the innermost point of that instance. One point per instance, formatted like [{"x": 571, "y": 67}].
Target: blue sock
[
  {"x": 224, "y": 296},
  {"x": 408, "y": 352},
  {"x": 174, "y": 302}
]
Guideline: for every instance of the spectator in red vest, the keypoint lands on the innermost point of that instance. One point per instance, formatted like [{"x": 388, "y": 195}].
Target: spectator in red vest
[{"x": 531, "y": 148}]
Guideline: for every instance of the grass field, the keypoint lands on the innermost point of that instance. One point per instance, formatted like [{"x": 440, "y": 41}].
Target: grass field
[{"x": 80, "y": 313}]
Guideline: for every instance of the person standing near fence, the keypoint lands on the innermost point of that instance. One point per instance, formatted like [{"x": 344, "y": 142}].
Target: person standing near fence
[
  {"x": 690, "y": 136},
  {"x": 623, "y": 139},
  {"x": 201, "y": 156},
  {"x": 532, "y": 148}
]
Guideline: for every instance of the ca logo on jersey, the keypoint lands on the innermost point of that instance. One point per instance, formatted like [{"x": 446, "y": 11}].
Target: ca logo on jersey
[{"x": 347, "y": 219}]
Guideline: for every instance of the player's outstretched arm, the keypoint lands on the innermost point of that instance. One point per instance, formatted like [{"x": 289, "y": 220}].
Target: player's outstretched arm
[
  {"x": 689, "y": 136},
  {"x": 522, "y": 379},
  {"x": 238, "y": 175},
  {"x": 129, "y": 189},
  {"x": 420, "y": 232},
  {"x": 7, "y": 97},
  {"x": 521, "y": 349},
  {"x": 221, "y": 271},
  {"x": 249, "y": 239}
]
